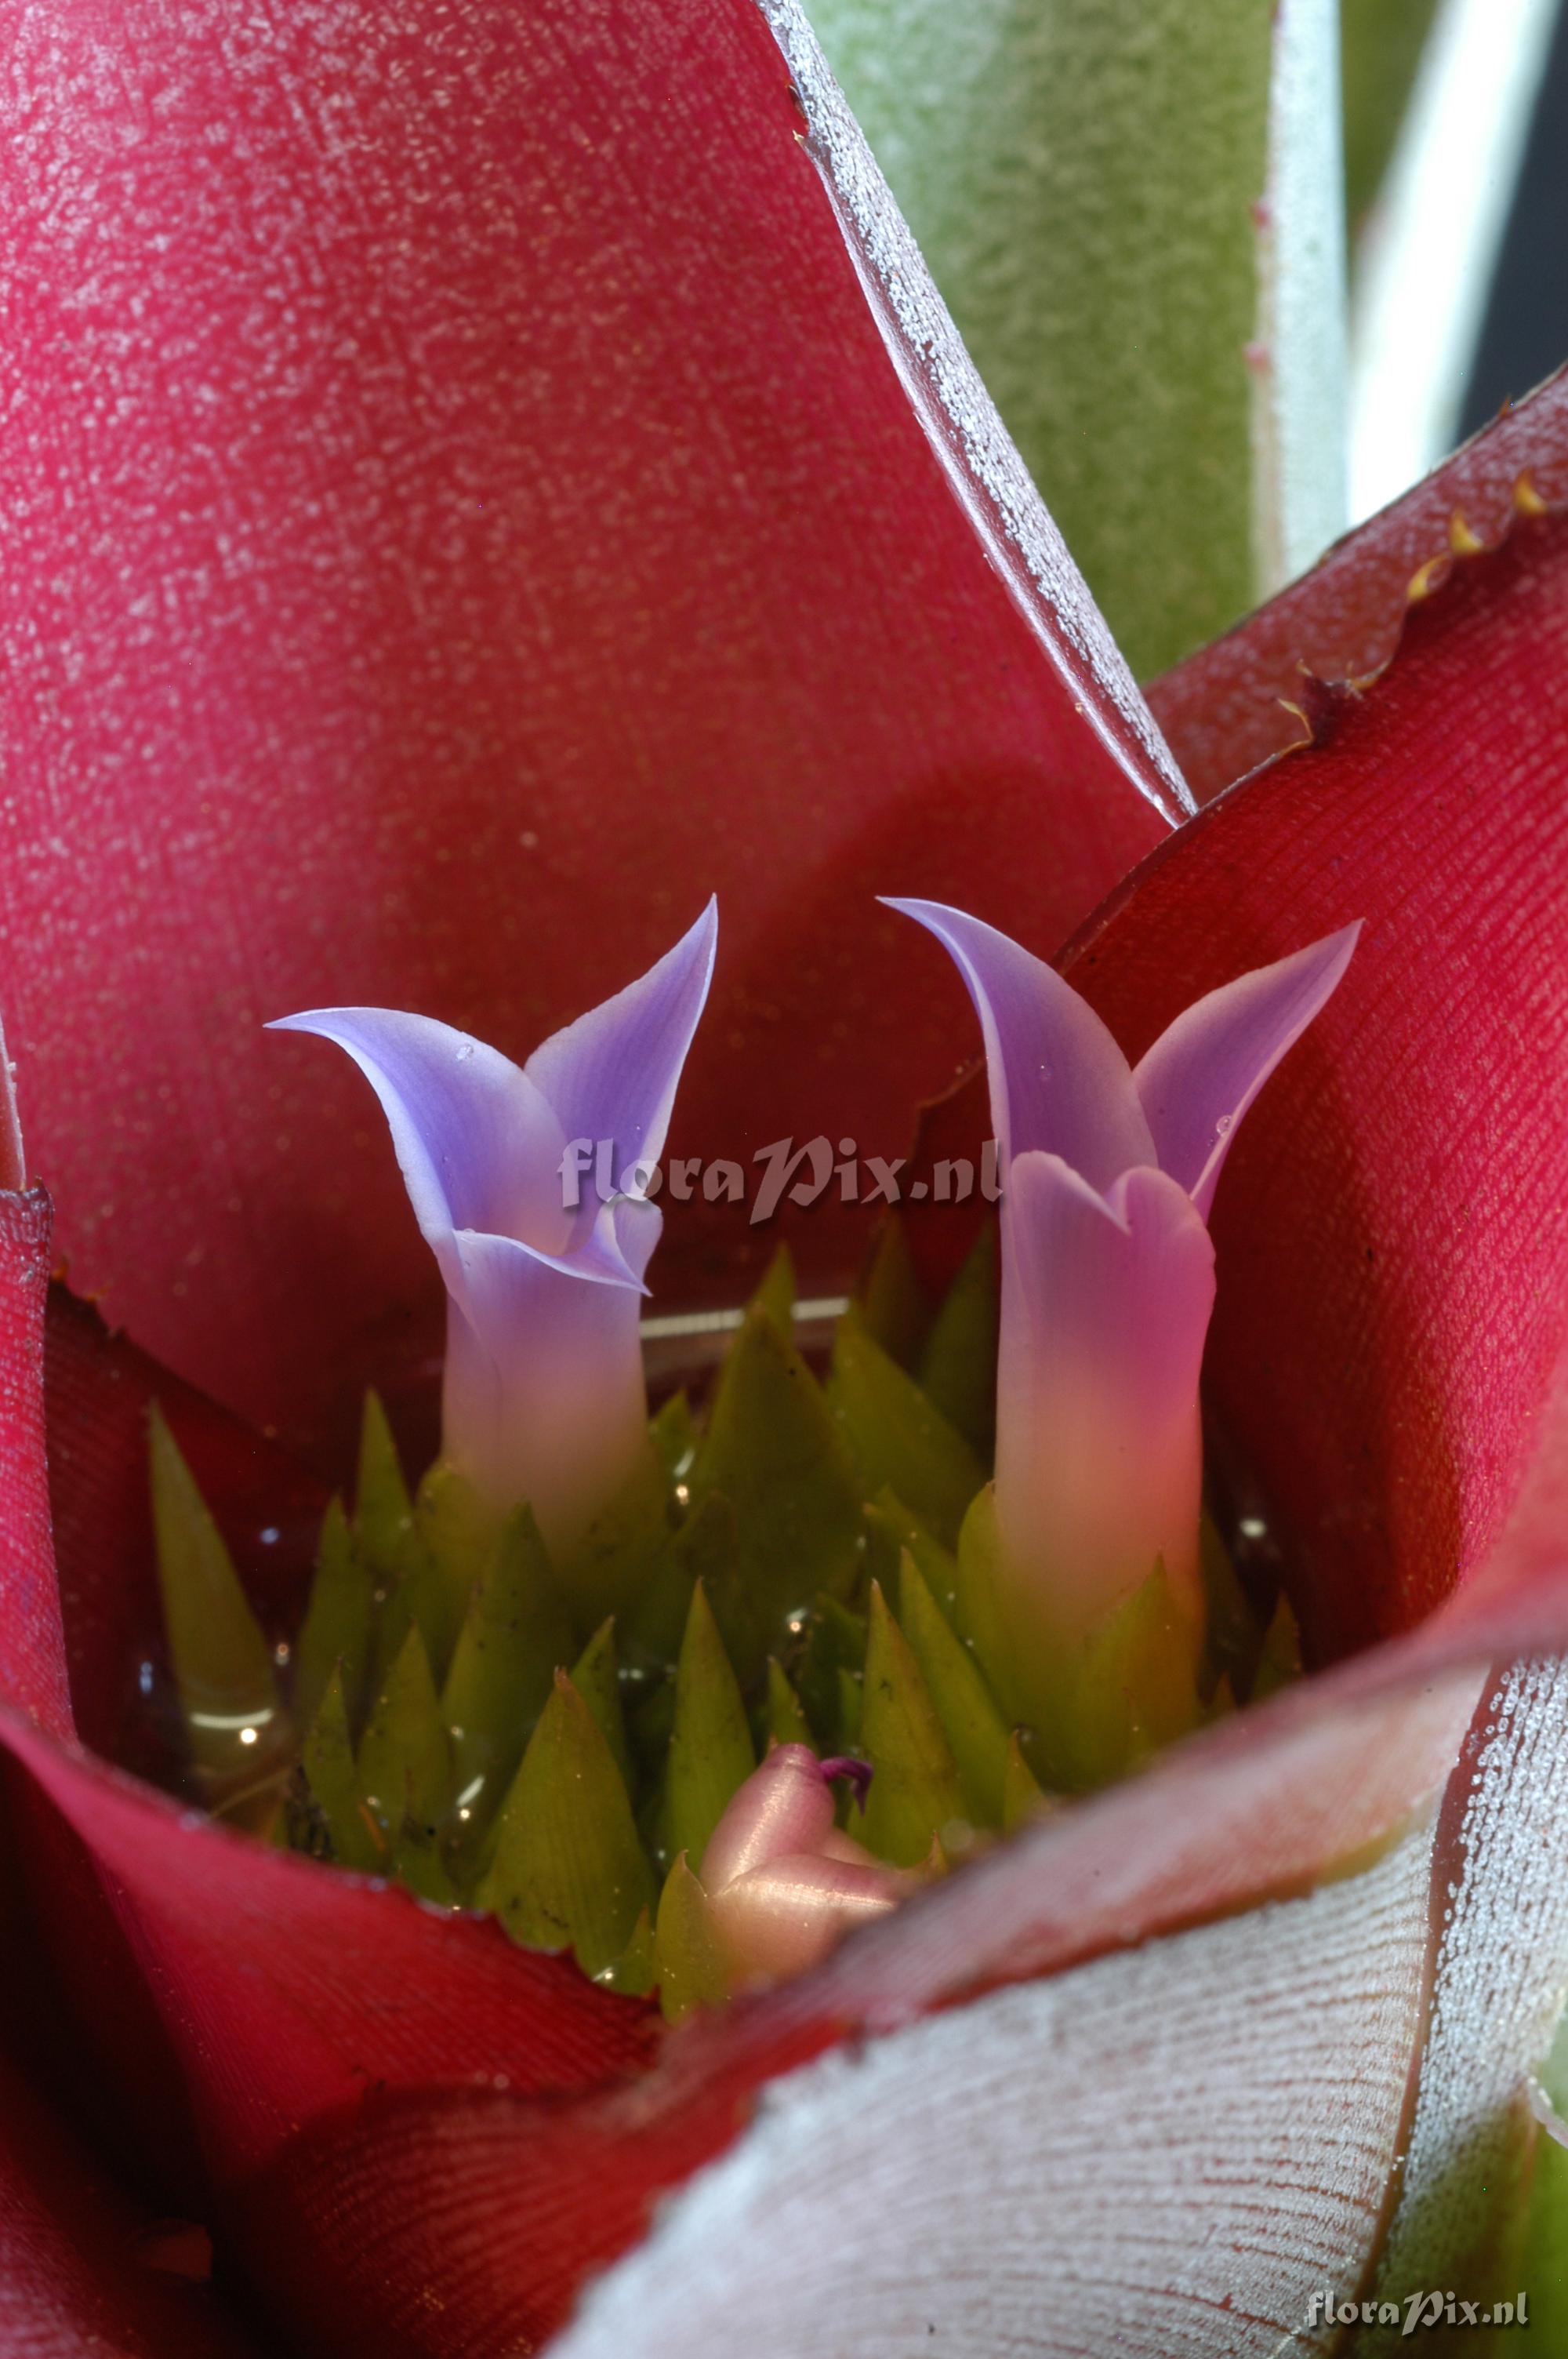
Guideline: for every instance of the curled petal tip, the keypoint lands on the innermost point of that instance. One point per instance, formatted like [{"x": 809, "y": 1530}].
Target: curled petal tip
[{"x": 857, "y": 1775}]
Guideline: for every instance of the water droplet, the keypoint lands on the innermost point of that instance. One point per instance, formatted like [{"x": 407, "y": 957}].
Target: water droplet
[
  {"x": 271, "y": 1536},
  {"x": 466, "y": 1051}
]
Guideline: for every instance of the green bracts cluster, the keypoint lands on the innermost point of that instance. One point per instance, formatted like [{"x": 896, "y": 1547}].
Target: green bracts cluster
[{"x": 810, "y": 1561}]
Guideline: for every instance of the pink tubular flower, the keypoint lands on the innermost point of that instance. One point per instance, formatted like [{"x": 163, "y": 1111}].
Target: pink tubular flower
[
  {"x": 785, "y": 1883},
  {"x": 1108, "y": 1269}
]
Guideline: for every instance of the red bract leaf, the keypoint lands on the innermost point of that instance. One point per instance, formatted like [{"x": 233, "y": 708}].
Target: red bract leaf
[
  {"x": 466, "y": 509},
  {"x": 1436, "y": 1082},
  {"x": 32, "y": 1653},
  {"x": 1392, "y": 1231},
  {"x": 289, "y": 1989},
  {"x": 1232, "y": 704},
  {"x": 1052, "y": 2152},
  {"x": 82, "y": 2275}
]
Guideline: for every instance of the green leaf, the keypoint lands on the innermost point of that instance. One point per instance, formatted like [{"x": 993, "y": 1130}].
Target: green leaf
[
  {"x": 893, "y": 1529},
  {"x": 384, "y": 1512},
  {"x": 1022, "y": 1797},
  {"x": 775, "y": 1296},
  {"x": 568, "y": 1869},
  {"x": 710, "y": 1754},
  {"x": 1132, "y": 1689},
  {"x": 891, "y": 1300},
  {"x": 234, "y": 1723},
  {"x": 687, "y": 1955},
  {"x": 635, "y": 1971},
  {"x": 895, "y": 1435},
  {"x": 612, "y": 1564},
  {"x": 459, "y": 1530},
  {"x": 515, "y": 1636},
  {"x": 786, "y": 1723},
  {"x": 1380, "y": 44},
  {"x": 596, "y": 1678},
  {"x": 772, "y": 1451},
  {"x": 1073, "y": 171},
  {"x": 976, "y": 1730},
  {"x": 404, "y": 1761},
  {"x": 1280, "y": 1662},
  {"x": 328, "y": 1761},
  {"x": 914, "y": 1791},
  {"x": 675, "y": 1436},
  {"x": 1232, "y": 1638},
  {"x": 388, "y": 1543},
  {"x": 829, "y": 1667},
  {"x": 705, "y": 1547},
  {"x": 958, "y": 1367},
  {"x": 849, "y": 1705},
  {"x": 336, "y": 1626},
  {"x": 977, "y": 1615}
]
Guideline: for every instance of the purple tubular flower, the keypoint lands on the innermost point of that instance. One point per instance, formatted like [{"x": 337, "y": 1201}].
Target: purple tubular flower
[
  {"x": 544, "y": 1395},
  {"x": 1108, "y": 1267}
]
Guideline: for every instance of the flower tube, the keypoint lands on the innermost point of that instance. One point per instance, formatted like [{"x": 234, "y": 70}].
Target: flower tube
[
  {"x": 784, "y": 1883},
  {"x": 544, "y": 1395},
  {"x": 1108, "y": 1174}
]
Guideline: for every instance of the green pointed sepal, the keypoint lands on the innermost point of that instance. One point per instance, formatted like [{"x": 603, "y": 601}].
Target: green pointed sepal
[
  {"x": 1024, "y": 1798},
  {"x": 772, "y": 1451},
  {"x": 958, "y": 1366},
  {"x": 915, "y": 1795},
  {"x": 351, "y": 1834},
  {"x": 977, "y": 1735},
  {"x": 613, "y": 1563},
  {"x": 336, "y": 1633},
  {"x": 596, "y": 1676},
  {"x": 458, "y": 1532},
  {"x": 1279, "y": 1661},
  {"x": 895, "y": 1435},
  {"x": 568, "y": 1870},
  {"x": 784, "y": 1720},
  {"x": 890, "y": 1304},
  {"x": 710, "y": 1754},
  {"x": 238, "y": 1734},
  {"x": 404, "y": 1756},
  {"x": 515, "y": 1636},
  {"x": 1128, "y": 1690},
  {"x": 687, "y": 1958}
]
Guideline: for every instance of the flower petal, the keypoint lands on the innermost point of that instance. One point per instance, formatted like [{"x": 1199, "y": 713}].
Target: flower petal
[
  {"x": 785, "y": 1806},
  {"x": 478, "y": 1143},
  {"x": 543, "y": 1393},
  {"x": 1099, "y": 1451},
  {"x": 1205, "y": 1070},
  {"x": 1059, "y": 1084},
  {"x": 612, "y": 1074}
]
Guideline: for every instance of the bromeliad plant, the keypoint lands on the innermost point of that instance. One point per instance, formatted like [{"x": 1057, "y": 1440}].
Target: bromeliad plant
[
  {"x": 481, "y": 478},
  {"x": 1054, "y": 1627}
]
